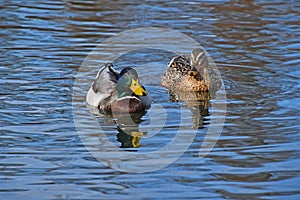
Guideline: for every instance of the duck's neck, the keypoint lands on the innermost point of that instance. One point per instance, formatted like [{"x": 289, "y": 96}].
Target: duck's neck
[{"x": 123, "y": 94}]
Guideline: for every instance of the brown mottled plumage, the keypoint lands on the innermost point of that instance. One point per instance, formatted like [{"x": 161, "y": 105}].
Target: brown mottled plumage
[{"x": 192, "y": 74}]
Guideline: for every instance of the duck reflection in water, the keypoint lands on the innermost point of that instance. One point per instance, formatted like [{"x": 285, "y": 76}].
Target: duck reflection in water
[
  {"x": 128, "y": 133},
  {"x": 197, "y": 102},
  {"x": 128, "y": 129}
]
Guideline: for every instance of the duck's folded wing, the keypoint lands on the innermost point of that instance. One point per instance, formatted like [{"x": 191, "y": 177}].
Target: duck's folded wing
[{"x": 103, "y": 86}]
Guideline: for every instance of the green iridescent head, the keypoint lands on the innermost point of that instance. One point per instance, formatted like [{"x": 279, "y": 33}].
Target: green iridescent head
[{"x": 129, "y": 84}]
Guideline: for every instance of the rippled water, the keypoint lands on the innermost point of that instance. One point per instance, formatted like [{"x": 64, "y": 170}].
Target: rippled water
[{"x": 256, "y": 46}]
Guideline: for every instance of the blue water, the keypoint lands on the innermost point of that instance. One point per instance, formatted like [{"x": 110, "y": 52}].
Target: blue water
[{"x": 255, "y": 45}]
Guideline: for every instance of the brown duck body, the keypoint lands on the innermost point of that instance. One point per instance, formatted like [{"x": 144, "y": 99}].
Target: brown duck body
[
  {"x": 180, "y": 75},
  {"x": 123, "y": 105},
  {"x": 191, "y": 74}
]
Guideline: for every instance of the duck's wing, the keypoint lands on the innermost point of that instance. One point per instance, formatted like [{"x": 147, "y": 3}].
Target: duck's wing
[
  {"x": 210, "y": 73},
  {"x": 106, "y": 79},
  {"x": 104, "y": 85}
]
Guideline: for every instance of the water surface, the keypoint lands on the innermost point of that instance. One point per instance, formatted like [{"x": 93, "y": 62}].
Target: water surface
[{"x": 256, "y": 46}]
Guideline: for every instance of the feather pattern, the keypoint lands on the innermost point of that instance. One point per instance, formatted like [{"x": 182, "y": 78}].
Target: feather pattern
[
  {"x": 191, "y": 74},
  {"x": 104, "y": 95}
]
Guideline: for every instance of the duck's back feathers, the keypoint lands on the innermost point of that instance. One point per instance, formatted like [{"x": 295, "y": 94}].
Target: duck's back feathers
[
  {"x": 181, "y": 75},
  {"x": 104, "y": 86},
  {"x": 106, "y": 79}
]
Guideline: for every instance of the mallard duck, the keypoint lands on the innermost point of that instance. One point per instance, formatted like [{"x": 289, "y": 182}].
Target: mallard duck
[
  {"x": 191, "y": 74},
  {"x": 118, "y": 92}
]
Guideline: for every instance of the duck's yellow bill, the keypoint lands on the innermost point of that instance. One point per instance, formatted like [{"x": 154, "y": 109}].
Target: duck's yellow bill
[
  {"x": 136, "y": 136},
  {"x": 136, "y": 88}
]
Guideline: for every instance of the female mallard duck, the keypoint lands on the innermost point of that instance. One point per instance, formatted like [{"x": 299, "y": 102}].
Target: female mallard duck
[
  {"x": 194, "y": 74},
  {"x": 118, "y": 92}
]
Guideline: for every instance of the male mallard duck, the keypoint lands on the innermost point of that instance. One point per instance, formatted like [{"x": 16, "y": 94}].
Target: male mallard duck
[
  {"x": 118, "y": 92},
  {"x": 192, "y": 74}
]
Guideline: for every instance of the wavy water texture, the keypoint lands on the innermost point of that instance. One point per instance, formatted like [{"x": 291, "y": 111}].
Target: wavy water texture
[{"x": 256, "y": 46}]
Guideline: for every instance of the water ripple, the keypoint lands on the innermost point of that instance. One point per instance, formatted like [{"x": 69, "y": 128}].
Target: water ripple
[{"x": 256, "y": 47}]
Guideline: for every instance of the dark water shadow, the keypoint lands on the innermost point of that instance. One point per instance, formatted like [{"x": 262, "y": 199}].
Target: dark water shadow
[
  {"x": 126, "y": 126},
  {"x": 197, "y": 102}
]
